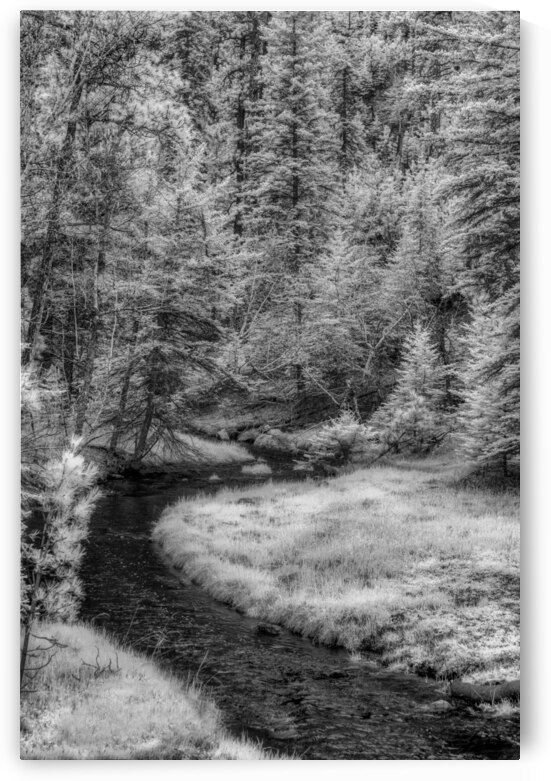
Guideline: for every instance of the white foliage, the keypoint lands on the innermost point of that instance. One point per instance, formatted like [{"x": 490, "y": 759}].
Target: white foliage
[
  {"x": 489, "y": 419},
  {"x": 413, "y": 418}
]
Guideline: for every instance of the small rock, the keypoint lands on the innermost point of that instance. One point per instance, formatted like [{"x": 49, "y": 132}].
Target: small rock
[
  {"x": 440, "y": 705},
  {"x": 223, "y": 435}
]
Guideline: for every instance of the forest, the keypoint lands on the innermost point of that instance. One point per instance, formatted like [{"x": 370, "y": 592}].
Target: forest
[
  {"x": 251, "y": 207},
  {"x": 295, "y": 229}
]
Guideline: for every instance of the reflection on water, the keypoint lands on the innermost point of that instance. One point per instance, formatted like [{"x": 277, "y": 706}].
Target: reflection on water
[{"x": 296, "y": 698}]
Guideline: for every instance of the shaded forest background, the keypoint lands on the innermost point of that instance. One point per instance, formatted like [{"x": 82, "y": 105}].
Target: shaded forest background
[{"x": 314, "y": 210}]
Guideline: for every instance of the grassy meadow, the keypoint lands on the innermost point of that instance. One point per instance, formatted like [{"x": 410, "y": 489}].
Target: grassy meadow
[
  {"x": 95, "y": 700},
  {"x": 402, "y": 559}
]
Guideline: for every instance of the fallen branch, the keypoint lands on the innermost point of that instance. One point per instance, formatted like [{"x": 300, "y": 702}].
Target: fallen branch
[{"x": 480, "y": 693}]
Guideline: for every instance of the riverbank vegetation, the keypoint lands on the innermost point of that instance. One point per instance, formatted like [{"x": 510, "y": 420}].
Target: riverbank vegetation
[
  {"x": 184, "y": 450},
  {"x": 97, "y": 700},
  {"x": 400, "y": 559}
]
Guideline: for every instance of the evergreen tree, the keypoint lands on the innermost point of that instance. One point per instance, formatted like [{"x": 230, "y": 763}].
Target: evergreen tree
[
  {"x": 413, "y": 418},
  {"x": 290, "y": 201},
  {"x": 483, "y": 151},
  {"x": 489, "y": 419}
]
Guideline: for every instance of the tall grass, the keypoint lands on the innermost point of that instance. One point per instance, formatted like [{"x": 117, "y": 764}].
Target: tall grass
[
  {"x": 95, "y": 700},
  {"x": 395, "y": 559}
]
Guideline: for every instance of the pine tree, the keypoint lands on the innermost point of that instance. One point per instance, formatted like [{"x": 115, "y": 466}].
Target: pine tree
[
  {"x": 413, "y": 418},
  {"x": 483, "y": 151},
  {"x": 489, "y": 419},
  {"x": 292, "y": 174}
]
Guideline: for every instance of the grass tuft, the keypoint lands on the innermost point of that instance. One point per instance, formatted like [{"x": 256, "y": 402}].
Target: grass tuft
[{"x": 258, "y": 469}]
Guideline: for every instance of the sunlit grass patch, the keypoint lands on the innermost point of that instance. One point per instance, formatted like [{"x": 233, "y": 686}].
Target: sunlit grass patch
[
  {"x": 95, "y": 700},
  {"x": 259, "y": 469},
  {"x": 395, "y": 559},
  {"x": 182, "y": 449},
  {"x": 201, "y": 451},
  {"x": 503, "y": 708}
]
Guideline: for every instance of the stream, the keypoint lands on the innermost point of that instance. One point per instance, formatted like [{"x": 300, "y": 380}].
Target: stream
[{"x": 297, "y": 699}]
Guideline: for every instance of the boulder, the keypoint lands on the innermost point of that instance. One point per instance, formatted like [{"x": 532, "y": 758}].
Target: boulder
[
  {"x": 276, "y": 440},
  {"x": 439, "y": 706},
  {"x": 249, "y": 435}
]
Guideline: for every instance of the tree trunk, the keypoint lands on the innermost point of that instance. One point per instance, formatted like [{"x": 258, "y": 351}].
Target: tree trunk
[
  {"x": 53, "y": 218},
  {"x": 84, "y": 396},
  {"x": 141, "y": 439},
  {"x": 240, "y": 152},
  {"x": 119, "y": 419}
]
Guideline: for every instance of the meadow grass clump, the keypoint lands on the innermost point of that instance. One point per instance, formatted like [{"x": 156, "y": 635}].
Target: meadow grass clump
[
  {"x": 258, "y": 469},
  {"x": 96, "y": 700},
  {"x": 396, "y": 559}
]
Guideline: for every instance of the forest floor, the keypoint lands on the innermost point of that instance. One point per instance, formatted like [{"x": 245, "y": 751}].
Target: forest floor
[
  {"x": 404, "y": 559},
  {"x": 95, "y": 700}
]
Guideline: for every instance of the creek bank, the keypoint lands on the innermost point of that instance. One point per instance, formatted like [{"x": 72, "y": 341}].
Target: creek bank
[
  {"x": 296, "y": 697},
  {"x": 215, "y": 453},
  {"x": 97, "y": 700},
  {"x": 337, "y": 562},
  {"x": 189, "y": 459}
]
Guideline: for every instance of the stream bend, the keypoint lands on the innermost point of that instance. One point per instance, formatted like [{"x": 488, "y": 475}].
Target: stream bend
[{"x": 294, "y": 697}]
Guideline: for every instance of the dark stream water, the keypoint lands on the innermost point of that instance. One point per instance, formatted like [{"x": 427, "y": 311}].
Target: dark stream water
[{"x": 294, "y": 697}]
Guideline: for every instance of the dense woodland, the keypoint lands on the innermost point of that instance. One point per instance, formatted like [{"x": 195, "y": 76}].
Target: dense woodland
[{"x": 314, "y": 209}]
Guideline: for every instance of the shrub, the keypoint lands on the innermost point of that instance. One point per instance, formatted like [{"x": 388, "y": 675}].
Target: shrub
[
  {"x": 50, "y": 559},
  {"x": 337, "y": 439}
]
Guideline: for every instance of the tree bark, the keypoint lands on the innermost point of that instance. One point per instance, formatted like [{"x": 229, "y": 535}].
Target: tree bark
[
  {"x": 123, "y": 400},
  {"x": 84, "y": 396},
  {"x": 53, "y": 219},
  {"x": 141, "y": 439}
]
